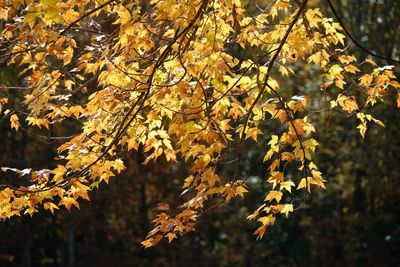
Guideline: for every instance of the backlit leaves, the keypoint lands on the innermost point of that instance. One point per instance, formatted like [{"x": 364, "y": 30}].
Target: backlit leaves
[{"x": 163, "y": 79}]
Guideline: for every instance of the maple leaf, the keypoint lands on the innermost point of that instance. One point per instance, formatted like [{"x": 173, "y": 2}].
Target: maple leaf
[
  {"x": 170, "y": 236},
  {"x": 59, "y": 172},
  {"x": 277, "y": 195},
  {"x": 15, "y": 122},
  {"x": 162, "y": 206},
  {"x": 351, "y": 68},
  {"x": 347, "y": 103},
  {"x": 68, "y": 202},
  {"x": 286, "y": 209},
  {"x": 265, "y": 220},
  {"x": 304, "y": 183},
  {"x": 286, "y": 185},
  {"x": 50, "y": 206}
]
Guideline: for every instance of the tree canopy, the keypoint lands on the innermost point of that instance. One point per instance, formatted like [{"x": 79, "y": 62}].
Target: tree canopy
[{"x": 195, "y": 82}]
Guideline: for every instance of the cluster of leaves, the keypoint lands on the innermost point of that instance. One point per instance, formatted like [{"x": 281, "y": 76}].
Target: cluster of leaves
[{"x": 161, "y": 76}]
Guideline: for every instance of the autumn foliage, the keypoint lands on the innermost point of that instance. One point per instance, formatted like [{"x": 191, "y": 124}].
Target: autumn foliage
[{"x": 167, "y": 78}]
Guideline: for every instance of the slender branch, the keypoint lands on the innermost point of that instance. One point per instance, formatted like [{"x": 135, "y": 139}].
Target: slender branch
[
  {"x": 84, "y": 16},
  {"x": 267, "y": 75},
  {"x": 355, "y": 41}
]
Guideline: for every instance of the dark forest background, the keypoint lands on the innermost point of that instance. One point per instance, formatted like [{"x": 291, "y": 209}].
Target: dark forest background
[{"x": 354, "y": 222}]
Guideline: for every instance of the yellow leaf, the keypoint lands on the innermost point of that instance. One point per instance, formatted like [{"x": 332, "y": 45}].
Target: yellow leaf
[
  {"x": 253, "y": 215},
  {"x": 366, "y": 79},
  {"x": 14, "y": 122},
  {"x": 68, "y": 202},
  {"x": 286, "y": 185},
  {"x": 287, "y": 156},
  {"x": 303, "y": 184},
  {"x": 124, "y": 15},
  {"x": 363, "y": 128},
  {"x": 162, "y": 206},
  {"x": 347, "y": 103},
  {"x": 51, "y": 13},
  {"x": 31, "y": 16},
  {"x": 170, "y": 236},
  {"x": 67, "y": 55},
  {"x": 50, "y": 206},
  {"x": 3, "y": 13},
  {"x": 277, "y": 195},
  {"x": 286, "y": 209},
  {"x": 253, "y": 132},
  {"x": 317, "y": 178},
  {"x": 345, "y": 59},
  {"x": 283, "y": 70},
  {"x": 351, "y": 68},
  {"x": 59, "y": 172},
  {"x": 334, "y": 71},
  {"x": 370, "y": 61},
  {"x": 240, "y": 190},
  {"x": 70, "y": 16},
  {"x": 152, "y": 241},
  {"x": 260, "y": 231},
  {"x": 266, "y": 220}
]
